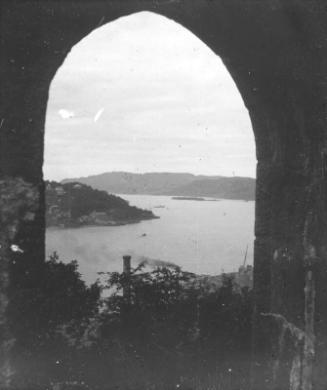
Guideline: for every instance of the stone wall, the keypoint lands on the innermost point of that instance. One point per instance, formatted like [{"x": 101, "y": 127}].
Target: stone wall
[{"x": 276, "y": 51}]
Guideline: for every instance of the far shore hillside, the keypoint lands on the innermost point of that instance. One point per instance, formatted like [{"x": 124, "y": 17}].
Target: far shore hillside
[{"x": 172, "y": 184}]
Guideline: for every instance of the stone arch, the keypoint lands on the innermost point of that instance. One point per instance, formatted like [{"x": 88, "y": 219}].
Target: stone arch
[{"x": 276, "y": 53}]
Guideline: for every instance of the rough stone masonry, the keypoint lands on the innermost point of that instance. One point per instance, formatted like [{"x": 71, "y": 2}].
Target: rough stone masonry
[{"x": 276, "y": 51}]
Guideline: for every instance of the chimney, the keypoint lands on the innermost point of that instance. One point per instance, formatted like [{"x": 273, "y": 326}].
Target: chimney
[
  {"x": 127, "y": 265},
  {"x": 127, "y": 274}
]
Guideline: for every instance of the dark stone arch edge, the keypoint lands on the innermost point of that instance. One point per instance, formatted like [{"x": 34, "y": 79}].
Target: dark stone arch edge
[{"x": 276, "y": 53}]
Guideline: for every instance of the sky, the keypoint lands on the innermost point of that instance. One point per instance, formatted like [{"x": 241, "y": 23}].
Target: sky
[{"x": 144, "y": 94}]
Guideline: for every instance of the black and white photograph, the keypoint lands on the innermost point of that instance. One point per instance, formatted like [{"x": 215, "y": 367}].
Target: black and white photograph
[{"x": 163, "y": 195}]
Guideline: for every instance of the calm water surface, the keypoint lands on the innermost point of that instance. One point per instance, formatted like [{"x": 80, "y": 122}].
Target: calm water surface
[{"x": 200, "y": 236}]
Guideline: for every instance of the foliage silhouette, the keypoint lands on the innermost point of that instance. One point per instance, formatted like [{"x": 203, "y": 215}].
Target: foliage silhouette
[{"x": 167, "y": 330}]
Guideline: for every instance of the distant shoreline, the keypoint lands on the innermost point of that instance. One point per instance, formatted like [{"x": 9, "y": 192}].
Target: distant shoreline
[{"x": 206, "y": 199}]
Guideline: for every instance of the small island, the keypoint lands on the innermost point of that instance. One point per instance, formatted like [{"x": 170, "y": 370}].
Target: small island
[
  {"x": 193, "y": 198},
  {"x": 187, "y": 198},
  {"x": 76, "y": 205}
]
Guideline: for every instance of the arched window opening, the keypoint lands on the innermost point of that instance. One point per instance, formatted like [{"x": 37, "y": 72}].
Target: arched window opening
[{"x": 143, "y": 109}]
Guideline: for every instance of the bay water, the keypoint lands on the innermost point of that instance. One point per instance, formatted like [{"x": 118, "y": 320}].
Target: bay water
[{"x": 205, "y": 237}]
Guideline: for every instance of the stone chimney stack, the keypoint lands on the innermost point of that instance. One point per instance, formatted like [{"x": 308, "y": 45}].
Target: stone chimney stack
[
  {"x": 127, "y": 274},
  {"x": 127, "y": 265}
]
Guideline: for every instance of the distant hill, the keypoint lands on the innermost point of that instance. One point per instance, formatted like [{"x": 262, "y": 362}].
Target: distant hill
[
  {"x": 134, "y": 183},
  {"x": 75, "y": 204},
  {"x": 174, "y": 184},
  {"x": 222, "y": 187}
]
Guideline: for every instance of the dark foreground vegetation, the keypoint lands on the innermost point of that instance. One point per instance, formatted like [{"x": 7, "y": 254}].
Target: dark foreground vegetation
[{"x": 155, "y": 330}]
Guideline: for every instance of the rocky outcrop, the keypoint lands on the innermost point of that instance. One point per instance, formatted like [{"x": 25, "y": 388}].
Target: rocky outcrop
[{"x": 76, "y": 205}]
